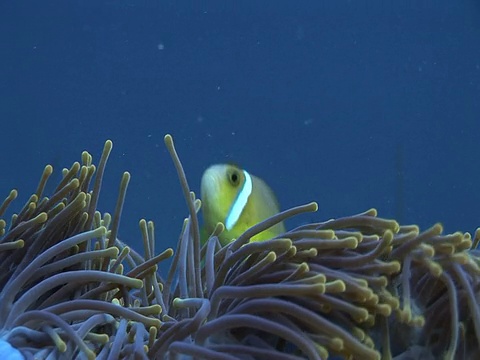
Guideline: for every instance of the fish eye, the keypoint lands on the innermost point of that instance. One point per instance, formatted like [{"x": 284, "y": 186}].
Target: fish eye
[{"x": 234, "y": 177}]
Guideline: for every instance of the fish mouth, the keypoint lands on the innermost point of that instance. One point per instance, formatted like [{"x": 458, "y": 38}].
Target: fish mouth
[{"x": 209, "y": 186}]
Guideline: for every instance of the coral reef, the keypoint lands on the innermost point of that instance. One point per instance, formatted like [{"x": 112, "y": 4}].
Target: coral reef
[{"x": 359, "y": 287}]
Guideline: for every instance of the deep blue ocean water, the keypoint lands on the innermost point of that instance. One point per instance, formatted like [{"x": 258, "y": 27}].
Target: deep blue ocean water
[{"x": 353, "y": 104}]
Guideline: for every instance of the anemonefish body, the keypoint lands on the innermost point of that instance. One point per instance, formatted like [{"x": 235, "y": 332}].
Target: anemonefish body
[{"x": 239, "y": 200}]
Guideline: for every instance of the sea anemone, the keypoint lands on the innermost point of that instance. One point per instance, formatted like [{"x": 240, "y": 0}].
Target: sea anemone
[
  {"x": 63, "y": 287},
  {"x": 358, "y": 287}
]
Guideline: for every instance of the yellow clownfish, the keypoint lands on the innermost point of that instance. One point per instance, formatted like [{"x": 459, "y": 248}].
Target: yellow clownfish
[{"x": 239, "y": 200}]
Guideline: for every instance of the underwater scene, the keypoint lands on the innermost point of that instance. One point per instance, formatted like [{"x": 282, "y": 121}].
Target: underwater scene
[{"x": 240, "y": 180}]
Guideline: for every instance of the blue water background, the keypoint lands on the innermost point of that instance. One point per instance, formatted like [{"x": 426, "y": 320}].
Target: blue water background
[{"x": 353, "y": 104}]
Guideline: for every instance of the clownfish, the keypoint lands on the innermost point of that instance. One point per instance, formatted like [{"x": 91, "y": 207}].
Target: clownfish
[{"x": 237, "y": 199}]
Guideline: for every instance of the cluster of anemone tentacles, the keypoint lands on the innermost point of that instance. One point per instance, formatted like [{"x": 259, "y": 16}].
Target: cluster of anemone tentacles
[{"x": 358, "y": 287}]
